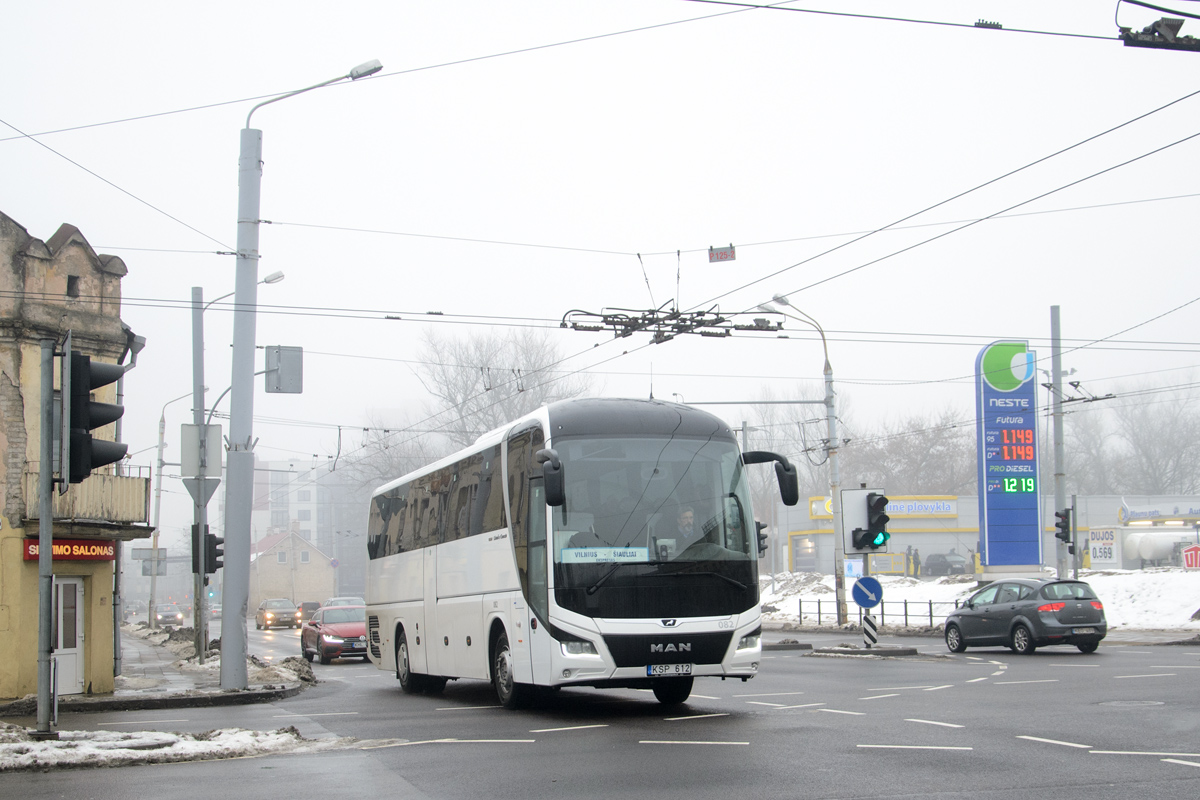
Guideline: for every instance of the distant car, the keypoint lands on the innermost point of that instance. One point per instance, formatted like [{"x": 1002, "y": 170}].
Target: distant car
[
  {"x": 945, "y": 564},
  {"x": 168, "y": 615},
  {"x": 307, "y": 609},
  {"x": 344, "y": 601},
  {"x": 277, "y": 612},
  {"x": 1027, "y": 614},
  {"x": 214, "y": 610},
  {"x": 335, "y": 632}
]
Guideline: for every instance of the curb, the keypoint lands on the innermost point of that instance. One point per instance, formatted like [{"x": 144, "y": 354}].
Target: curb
[
  {"x": 880, "y": 652},
  {"x": 786, "y": 646},
  {"x": 28, "y": 706}
]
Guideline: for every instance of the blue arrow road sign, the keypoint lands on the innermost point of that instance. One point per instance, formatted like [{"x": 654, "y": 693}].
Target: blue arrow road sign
[{"x": 867, "y": 591}]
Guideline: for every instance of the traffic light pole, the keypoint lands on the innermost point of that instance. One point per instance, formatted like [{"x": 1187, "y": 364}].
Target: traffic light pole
[
  {"x": 46, "y": 542},
  {"x": 1060, "y": 489},
  {"x": 200, "y": 504},
  {"x": 835, "y": 485}
]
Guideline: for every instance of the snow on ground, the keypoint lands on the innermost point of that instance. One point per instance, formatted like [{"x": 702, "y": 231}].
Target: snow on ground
[
  {"x": 76, "y": 749},
  {"x": 1152, "y": 599}
]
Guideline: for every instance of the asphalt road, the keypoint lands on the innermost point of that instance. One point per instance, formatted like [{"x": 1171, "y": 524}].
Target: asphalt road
[{"x": 1121, "y": 723}]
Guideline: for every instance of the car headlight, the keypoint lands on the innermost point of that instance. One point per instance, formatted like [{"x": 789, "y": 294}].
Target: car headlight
[
  {"x": 749, "y": 641},
  {"x": 325, "y": 637},
  {"x": 269, "y": 615},
  {"x": 578, "y": 647}
]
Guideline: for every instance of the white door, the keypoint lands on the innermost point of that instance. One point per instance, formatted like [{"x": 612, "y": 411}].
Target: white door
[{"x": 68, "y": 633}]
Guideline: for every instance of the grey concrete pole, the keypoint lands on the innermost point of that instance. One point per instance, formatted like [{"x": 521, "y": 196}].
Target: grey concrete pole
[
  {"x": 46, "y": 540},
  {"x": 239, "y": 486},
  {"x": 1060, "y": 487},
  {"x": 835, "y": 489}
]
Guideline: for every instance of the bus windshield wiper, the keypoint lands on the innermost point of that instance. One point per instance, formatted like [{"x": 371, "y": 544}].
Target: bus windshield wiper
[{"x": 596, "y": 586}]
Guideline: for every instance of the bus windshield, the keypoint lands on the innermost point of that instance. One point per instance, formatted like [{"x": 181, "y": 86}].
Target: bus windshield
[{"x": 642, "y": 513}]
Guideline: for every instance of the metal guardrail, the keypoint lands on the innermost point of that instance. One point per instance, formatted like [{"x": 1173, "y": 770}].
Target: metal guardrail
[{"x": 905, "y": 613}]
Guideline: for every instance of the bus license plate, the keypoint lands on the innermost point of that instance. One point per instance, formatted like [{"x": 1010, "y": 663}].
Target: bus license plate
[{"x": 661, "y": 670}]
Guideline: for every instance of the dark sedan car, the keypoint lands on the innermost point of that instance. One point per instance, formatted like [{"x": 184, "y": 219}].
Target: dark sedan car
[
  {"x": 277, "y": 612},
  {"x": 335, "y": 632},
  {"x": 1027, "y": 614},
  {"x": 945, "y": 564}
]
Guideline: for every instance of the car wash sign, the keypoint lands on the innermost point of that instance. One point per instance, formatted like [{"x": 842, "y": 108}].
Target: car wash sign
[{"x": 1007, "y": 454}]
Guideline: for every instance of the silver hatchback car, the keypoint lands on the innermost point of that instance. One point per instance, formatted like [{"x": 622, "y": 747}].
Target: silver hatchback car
[{"x": 1027, "y": 614}]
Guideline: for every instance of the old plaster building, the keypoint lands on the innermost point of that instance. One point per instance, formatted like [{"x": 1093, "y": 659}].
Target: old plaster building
[{"x": 47, "y": 288}]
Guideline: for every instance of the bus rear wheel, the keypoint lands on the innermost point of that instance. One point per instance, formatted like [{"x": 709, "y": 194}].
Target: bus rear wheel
[
  {"x": 510, "y": 693},
  {"x": 672, "y": 691}
]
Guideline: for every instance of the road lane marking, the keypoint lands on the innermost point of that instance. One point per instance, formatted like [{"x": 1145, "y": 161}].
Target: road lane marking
[
  {"x": 450, "y": 741},
  {"x": 663, "y": 741},
  {"x": 143, "y": 722},
  {"x": 571, "y": 728},
  {"x": 1141, "y": 753},
  {"x": 1177, "y": 761},
  {"x": 465, "y": 708},
  {"x": 769, "y": 694},
  {"x": 1173, "y": 666},
  {"x": 323, "y": 714},
  {"x": 999, "y": 672},
  {"x": 804, "y": 705},
  {"x": 694, "y": 716},
  {"x": 935, "y": 688},
  {"x": 836, "y": 711},
  {"x": 761, "y": 703},
  {"x": 879, "y": 696},
  {"x": 704, "y": 697},
  {"x": 910, "y": 747},
  {"x": 1157, "y": 675},
  {"x": 1013, "y": 683},
  {"x": 899, "y": 688},
  {"x": 977, "y": 680},
  {"x": 932, "y": 722},
  {"x": 1056, "y": 741}
]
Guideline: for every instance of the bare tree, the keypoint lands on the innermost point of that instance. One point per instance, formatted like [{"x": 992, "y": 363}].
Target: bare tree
[
  {"x": 481, "y": 381},
  {"x": 1160, "y": 444},
  {"x": 919, "y": 454},
  {"x": 1091, "y": 455}
]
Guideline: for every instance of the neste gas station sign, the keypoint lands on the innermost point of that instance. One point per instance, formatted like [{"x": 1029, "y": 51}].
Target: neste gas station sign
[{"x": 1007, "y": 455}]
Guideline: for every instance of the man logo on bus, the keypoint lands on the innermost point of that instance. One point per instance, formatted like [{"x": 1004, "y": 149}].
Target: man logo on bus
[
  {"x": 682, "y": 647},
  {"x": 1007, "y": 365},
  {"x": 670, "y": 623}
]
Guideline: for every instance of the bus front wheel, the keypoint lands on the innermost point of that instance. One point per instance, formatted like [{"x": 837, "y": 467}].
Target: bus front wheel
[
  {"x": 672, "y": 691},
  {"x": 409, "y": 683},
  {"x": 510, "y": 693}
]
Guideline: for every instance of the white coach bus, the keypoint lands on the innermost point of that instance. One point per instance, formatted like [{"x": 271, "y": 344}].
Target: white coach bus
[{"x": 551, "y": 554}]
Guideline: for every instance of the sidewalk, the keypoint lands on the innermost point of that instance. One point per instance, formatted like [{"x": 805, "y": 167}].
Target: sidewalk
[{"x": 151, "y": 677}]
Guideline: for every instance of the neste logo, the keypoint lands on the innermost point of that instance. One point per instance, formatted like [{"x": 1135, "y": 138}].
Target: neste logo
[{"x": 1007, "y": 365}]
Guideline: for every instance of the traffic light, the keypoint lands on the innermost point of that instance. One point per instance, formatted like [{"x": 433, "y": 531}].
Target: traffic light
[
  {"x": 877, "y": 520},
  {"x": 1063, "y": 525},
  {"x": 214, "y": 552},
  {"x": 81, "y": 377},
  {"x": 762, "y": 537}
]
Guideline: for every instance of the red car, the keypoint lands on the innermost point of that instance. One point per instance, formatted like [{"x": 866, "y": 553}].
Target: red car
[{"x": 335, "y": 632}]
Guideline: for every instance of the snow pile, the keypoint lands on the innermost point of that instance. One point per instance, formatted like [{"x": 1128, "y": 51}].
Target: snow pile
[
  {"x": 1152, "y": 599},
  {"x": 21, "y": 751}
]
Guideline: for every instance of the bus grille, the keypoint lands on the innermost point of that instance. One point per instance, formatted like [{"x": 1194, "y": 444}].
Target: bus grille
[
  {"x": 671, "y": 648},
  {"x": 373, "y": 636}
]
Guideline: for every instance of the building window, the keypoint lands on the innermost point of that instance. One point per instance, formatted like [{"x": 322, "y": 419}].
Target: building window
[
  {"x": 303, "y": 556},
  {"x": 305, "y": 533},
  {"x": 304, "y": 514},
  {"x": 72, "y": 286},
  {"x": 303, "y": 495},
  {"x": 281, "y": 557},
  {"x": 280, "y": 518}
]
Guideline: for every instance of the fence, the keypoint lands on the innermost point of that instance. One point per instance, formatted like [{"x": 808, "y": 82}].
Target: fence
[{"x": 898, "y": 612}]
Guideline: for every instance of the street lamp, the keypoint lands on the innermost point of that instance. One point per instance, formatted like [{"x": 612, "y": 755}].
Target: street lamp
[
  {"x": 239, "y": 488},
  {"x": 202, "y": 493},
  {"x": 835, "y": 480}
]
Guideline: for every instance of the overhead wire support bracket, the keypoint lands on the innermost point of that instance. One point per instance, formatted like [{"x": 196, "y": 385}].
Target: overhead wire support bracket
[{"x": 663, "y": 323}]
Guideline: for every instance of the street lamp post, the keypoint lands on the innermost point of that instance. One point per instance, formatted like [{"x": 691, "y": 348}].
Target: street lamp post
[
  {"x": 202, "y": 494},
  {"x": 835, "y": 479},
  {"x": 239, "y": 488}
]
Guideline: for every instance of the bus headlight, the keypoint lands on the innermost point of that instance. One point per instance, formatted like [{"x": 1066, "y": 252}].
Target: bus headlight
[
  {"x": 749, "y": 641},
  {"x": 578, "y": 647}
]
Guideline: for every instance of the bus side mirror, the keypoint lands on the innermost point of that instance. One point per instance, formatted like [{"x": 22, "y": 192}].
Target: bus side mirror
[
  {"x": 789, "y": 482},
  {"x": 552, "y": 477}
]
